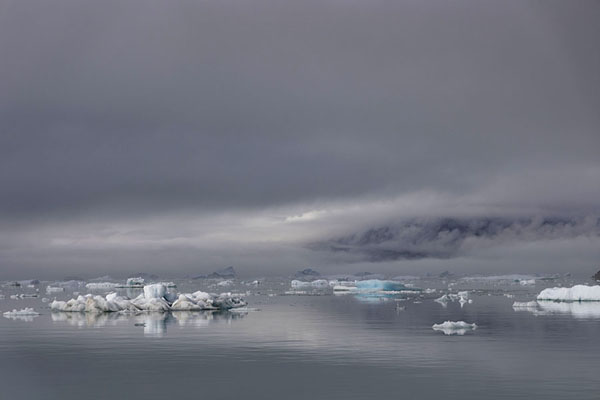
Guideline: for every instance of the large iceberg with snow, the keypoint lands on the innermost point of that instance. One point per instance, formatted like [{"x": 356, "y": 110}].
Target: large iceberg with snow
[
  {"x": 154, "y": 298},
  {"x": 575, "y": 293}
]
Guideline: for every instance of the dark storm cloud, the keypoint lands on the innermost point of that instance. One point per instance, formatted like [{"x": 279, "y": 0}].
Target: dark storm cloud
[
  {"x": 156, "y": 106},
  {"x": 129, "y": 110}
]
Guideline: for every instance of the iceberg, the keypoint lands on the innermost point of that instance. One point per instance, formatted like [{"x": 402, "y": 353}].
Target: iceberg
[
  {"x": 461, "y": 297},
  {"x": 23, "y": 312},
  {"x": 454, "y": 328},
  {"x": 133, "y": 283},
  {"x": 100, "y": 285},
  {"x": 575, "y": 293},
  {"x": 154, "y": 298},
  {"x": 517, "y": 305},
  {"x": 319, "y": 283},
  {"x": 379, "y": 285},
  {"x": 26, "y": 314},
  {"x": 54, "y": 289}
]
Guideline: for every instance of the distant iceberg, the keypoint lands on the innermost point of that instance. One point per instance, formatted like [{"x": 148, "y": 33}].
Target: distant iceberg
[
  {"x": 380, "y": 285},
  {"x": 132, "y": 283},
  {"x": 23, "y": 312},
  {"x": 26, "y": 314},
  {"x": 454, "y": 328},
  {"x": 100, "y": 285},
  {"x": 519, "y": 305},
  {"x": 575, "y": 293},
  {"x": 319, "y": 283},
  {"x": 155, "y": 298}
]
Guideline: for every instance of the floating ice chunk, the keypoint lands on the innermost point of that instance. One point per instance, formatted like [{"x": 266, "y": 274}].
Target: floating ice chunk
[
  {"x": 100, "y": 285},
  {"x": 379, "y": 285},
  {"x": 527, "y": 282},
  {"x": 45, "y": 299},
  {"x": 344, "y": 288},
  {"x": 54, "y": 289},
  {"x": 454, "y": 328},
  {"x": 138, "y": 281},
  {"x": 227, "y": 282},
  {"x": 26, "y": 314},
  {"x": 575, "y": 293},
  {"x": 517, "y": 305},
  {"x": 154, "y": 291},
  {"x": 462, "y": 297},
  {"x": 25, "y": 311},
  {"x": 319, "y": 283}
]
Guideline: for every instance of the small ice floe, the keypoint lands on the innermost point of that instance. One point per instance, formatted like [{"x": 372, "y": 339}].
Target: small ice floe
[
  {"x": 132, "y": 283},
  {"x": 26, "y": 314},
  {"x": 101, "y": 285},
  {"x": 527, "y": 282},
  {"x": 508, "y": 295},
  {"x": 54, "y": 289},
  {"x": 45, "y": 299},
  {"x": 227, "y": 282},
  {"x": 575, "y": 293},
  {"x": 154, "y": 298},
  {"x": 462, "y": 297},
  {"x": 454, "y": 327},
  {"x": 319, "y": 283},
  {"x": 525, "y": 305}
]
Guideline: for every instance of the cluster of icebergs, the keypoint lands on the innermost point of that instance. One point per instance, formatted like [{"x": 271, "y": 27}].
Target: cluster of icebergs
[
  {"x": 154, "y": 298},
  {"x": 462, "y": 297},
  {"x": 369, "y": 285}
]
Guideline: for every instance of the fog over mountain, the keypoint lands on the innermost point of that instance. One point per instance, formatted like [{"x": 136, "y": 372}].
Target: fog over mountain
[{"x": 180, "y": 137}]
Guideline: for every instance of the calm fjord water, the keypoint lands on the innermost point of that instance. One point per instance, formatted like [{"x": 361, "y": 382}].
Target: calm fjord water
[{"x": 306, "y": 347}]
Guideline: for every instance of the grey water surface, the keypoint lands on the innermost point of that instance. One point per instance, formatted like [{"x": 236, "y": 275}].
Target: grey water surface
[{"x": 313, "y": 345}]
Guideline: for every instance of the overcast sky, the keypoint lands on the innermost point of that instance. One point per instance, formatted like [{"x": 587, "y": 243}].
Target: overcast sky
[{"x": 184, "y": 136}]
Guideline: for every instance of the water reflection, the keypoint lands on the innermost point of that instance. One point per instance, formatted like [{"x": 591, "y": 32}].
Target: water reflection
[
  {"x": 154, "y": 323},
  {"x": 575, "y": 309}
]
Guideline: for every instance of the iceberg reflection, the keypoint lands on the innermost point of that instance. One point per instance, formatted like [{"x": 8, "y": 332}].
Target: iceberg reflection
[{"x": 154, "y": 323}]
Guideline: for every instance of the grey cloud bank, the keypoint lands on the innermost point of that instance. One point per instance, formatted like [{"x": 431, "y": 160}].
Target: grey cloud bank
[{"x": 163, "y": 135}]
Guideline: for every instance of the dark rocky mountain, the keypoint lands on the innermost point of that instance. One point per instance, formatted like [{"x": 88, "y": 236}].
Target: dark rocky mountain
[
  {"x": 225, "y": 273},
  {"x": 307, "y": 273},
  {"x": 451, "y": 237}
]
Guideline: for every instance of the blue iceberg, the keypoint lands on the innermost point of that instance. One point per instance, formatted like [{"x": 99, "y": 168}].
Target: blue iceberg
[{"x": 379, "y": 285}]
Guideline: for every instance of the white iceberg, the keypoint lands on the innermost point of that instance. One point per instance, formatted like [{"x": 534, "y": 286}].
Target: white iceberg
[
  {"x": 319, "y": 283},
  {"x": 520, "y": 305},
  {"x": 54, "y": 289},
  {"x": 100, "y": 285},
  {"x": 380, "y": 285},
  {"x": 26, "y": 314},
  {"x": 462, "y": 297},
  {"x": 454, "y": 327},
  {"x": 527, "y": 282},
  {"x": 132, "y": 283},
  {"x": 575, "y": 293},
  {"x": 154, "y": 298}
]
